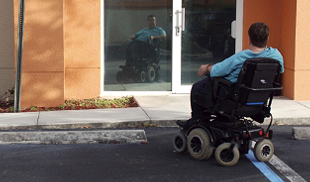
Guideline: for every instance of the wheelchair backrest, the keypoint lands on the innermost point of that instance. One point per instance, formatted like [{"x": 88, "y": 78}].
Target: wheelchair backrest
[{"x": 258, "y": 79}]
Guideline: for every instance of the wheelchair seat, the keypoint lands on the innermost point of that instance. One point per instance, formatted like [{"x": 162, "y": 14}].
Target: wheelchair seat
[{"x": 252, "y": 94}]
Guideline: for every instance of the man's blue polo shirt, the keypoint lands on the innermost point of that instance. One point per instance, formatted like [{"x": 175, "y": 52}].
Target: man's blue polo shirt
[
  {"x": 144, "y": 34},
  {"x": 230, "y": 67}
]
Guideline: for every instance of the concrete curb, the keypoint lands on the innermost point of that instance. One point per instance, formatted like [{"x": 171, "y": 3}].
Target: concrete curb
[
  {"x": 301, "y": 133},
  {"x": 74, "y": 126},
  {"x": 137, "y": 124},
  {"x": 74, "y": 137},
  {"x": 91, "y": 133},
  {"x": 292, "y": 121}
]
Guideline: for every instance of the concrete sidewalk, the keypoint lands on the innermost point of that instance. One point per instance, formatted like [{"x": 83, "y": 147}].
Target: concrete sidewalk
[{"x": 158, "y": 110}]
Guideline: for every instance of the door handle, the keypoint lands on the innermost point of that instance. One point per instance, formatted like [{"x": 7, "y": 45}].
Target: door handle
[
  {"x": 233, "y": 29},
  {"x": 178, "y": 26}
]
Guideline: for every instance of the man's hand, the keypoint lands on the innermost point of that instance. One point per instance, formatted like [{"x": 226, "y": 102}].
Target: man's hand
[
  {"x": 204, "y": 69},
  {"x": 158, "y": 37},
  {"x": 132, "y": 37}
]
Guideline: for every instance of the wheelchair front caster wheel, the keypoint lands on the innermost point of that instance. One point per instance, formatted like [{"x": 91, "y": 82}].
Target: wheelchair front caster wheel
[
  {"x": 226, "y": 156},
  {"x": 123, "y": 77},
  {"x": 179, "y": 142},
  {"x": 157, "y": 77},
  {"x": 264, "y": 150},
  {"x": 142, "y": 76},
  {"x": 198, "y": 144},
  {"x": 119, "y": 76}
]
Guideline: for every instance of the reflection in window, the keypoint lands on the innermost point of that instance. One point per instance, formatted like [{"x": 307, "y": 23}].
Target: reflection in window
[
  {"x": 206, "y": 39},
  {"x": 131, "y": 65}
]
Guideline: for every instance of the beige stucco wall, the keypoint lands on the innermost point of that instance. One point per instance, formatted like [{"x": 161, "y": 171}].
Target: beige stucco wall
[
  {"x": 61, "y": 58},
  {"x": 82, "y": 50},
  {"x": 43, "y": 53},
  {"x": 288, "y": 47},
  {"x": 289, "y": 25},
  {"x": 302, "y": 58},
  {"x": 6, "y": 46}
]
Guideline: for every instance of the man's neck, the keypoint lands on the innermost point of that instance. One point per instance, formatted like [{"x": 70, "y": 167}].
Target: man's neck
[{"x": 256, "y": 49}]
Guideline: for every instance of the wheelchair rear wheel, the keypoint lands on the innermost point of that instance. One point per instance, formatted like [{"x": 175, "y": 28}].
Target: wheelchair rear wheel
[
  {"x": 264, "y": 150},
  {"x": 198, "y": 144},
  {"x": 151, "y": 73},
  {"x": 179, "y": 142},
  {"x": 225, "y": 156}
]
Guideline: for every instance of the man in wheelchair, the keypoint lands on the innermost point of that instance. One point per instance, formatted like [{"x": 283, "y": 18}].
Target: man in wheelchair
[
  {"x": 236, "y": 92},
  {"x": 142, "y": 54},
  {"x": 203, "y": 91}
]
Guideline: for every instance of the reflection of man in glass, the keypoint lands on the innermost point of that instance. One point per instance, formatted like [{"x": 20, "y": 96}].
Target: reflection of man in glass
[
  {"x": 151, "y": 32},
  {"x": 140, "y": 47}
]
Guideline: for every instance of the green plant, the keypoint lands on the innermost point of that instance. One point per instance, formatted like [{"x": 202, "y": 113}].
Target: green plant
[
  {"x": 61, "y": 107},
  {"x": 75, "y": 104},
  {"x": 11, "y": 109},
  {"x": 33, "y": 108}
]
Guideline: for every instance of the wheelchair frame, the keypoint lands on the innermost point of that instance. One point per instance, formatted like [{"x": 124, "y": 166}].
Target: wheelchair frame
[
  {"x": 141, "y": 69},
  {"x": 230, "y": 132}
]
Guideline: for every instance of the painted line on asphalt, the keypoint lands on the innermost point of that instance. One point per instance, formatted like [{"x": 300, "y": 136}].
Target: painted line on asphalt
[
  {"x": 283, "y": 168},
  {"x": 272, "y": 176}
]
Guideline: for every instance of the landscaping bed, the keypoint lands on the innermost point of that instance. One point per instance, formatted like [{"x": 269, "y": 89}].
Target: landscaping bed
[{"x": 7, "y": 106}]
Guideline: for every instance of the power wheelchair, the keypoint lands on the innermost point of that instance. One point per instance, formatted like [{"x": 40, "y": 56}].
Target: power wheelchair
[
  {"x": 229, "y": 128},
  {"x": 142, "y": 62}
]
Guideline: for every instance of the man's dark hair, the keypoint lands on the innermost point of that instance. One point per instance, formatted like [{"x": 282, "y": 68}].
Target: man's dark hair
[
  {"x": 150, "y": 16},
  {"x": 259, "y": 33}
]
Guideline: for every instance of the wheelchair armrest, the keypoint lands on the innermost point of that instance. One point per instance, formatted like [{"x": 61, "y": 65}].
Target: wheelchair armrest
[
  {"x": 277, "y": 86},
  {"x": 222, "y": 81},
  {"x": 224, "y": 84}
]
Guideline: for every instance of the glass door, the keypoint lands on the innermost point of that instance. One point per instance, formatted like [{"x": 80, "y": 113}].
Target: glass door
[
  {"x": 139, "y": 64},
  {"x": 206, "y": 31},
  {"x": 197, "y": 32}
]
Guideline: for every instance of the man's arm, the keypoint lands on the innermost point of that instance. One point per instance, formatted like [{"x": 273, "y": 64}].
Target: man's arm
[
  {"x": 158, "y": 37},
  {"x": 204, "y": 69},
  {"x": 161, "y": 32}
]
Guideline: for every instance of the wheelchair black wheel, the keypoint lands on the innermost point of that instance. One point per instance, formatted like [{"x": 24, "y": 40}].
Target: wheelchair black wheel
[
  {"x": 151, "y": 73},
  {"x": 119, "y": 76},
  {"x": 142, "y": 76},
  {"x": 157, "y": 76},
  {"x": 179, "y": 142},
  {"x": 225, "y": 157},
  {"x": 198, "y": 144},
  {"x": 264, "y": 150}
]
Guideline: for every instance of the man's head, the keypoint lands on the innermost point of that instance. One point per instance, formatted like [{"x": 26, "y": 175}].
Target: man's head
[
  {"x": 259, "y": 34},
  {"x": 151, "y": 19}
]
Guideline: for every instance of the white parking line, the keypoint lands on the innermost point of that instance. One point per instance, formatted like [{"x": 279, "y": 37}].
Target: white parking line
[{"x": 284, "y": 169}]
